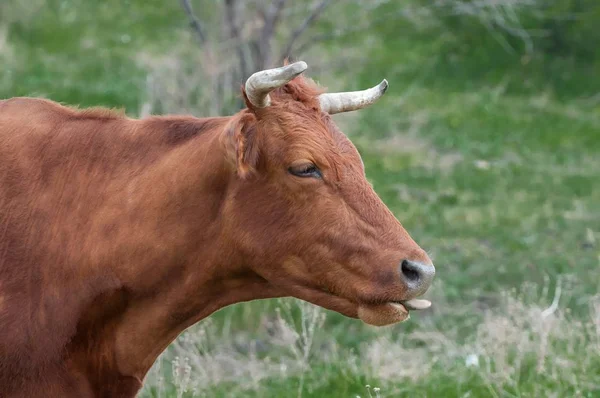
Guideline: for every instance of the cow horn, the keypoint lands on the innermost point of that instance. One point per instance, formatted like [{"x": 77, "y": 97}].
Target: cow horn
[
  {"x": 349, "y": 101},
  {"x": 260, "y": 84}
]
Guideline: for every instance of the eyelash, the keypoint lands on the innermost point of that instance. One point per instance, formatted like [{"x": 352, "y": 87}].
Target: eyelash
[{"x": 309, "y": 170}]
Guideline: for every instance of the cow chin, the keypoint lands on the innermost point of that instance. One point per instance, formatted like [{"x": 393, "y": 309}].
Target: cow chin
[{"x": 383, "y": 314}]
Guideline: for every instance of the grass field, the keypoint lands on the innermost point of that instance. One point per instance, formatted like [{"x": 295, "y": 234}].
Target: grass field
[{"x": 492, "y": 165}]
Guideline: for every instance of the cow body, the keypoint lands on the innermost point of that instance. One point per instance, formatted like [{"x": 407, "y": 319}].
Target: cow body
[
  {"x": 117, "y": 234},
  {"x": 80, "y": 210}
]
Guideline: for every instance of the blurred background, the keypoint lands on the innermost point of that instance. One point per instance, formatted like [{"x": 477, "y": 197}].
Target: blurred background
[{"x": 486, "y": 147}]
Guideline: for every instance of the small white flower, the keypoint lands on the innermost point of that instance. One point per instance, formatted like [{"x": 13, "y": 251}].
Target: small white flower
[
  {"x": 482, "y": 164},
  {"x": 472, "y": 360}
]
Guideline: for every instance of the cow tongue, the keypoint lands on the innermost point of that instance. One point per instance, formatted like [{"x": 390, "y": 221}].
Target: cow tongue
[{"x": 416, "y": 304}]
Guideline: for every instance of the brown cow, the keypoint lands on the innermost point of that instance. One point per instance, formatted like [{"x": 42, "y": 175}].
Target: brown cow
[{"x": 117, "y": 234}]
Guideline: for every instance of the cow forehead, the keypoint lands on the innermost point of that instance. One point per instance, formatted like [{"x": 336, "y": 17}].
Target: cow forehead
[
  {"x": 323, "y": 135},
  {"x": 307, "y": 131},
  {"x": 342, "y": 143}
]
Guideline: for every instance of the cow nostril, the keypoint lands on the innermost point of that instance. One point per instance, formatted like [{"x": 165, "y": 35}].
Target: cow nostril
[
  {"x": 417, "y": 277},
  {"x": 410, "y": 271}
]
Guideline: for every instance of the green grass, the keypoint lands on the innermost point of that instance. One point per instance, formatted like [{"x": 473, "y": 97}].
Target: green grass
[{"x": 491, "y": 163}]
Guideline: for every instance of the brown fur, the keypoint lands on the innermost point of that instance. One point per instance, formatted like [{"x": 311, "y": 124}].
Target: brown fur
[{"x": 117, "y": 234}]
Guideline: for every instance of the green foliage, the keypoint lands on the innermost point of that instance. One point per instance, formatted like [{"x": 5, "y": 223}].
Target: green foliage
[
  {"x": 571, "y": 28},
  {"x": 529, "y": 46}
]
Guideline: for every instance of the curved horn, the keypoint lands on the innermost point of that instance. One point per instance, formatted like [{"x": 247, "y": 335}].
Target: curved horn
[
  {"x": 260, "y": 84},
  {"x": 349, "y": 101}
]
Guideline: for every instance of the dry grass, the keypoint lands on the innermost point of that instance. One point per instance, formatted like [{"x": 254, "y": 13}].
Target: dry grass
[
  {"x": 526, "y": 337},
  {"x": 182, "y": 81},
  {"x": 205, "y": 356}
]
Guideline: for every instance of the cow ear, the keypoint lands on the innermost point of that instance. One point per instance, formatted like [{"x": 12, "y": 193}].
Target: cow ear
[{"x": 243, "y": 145}]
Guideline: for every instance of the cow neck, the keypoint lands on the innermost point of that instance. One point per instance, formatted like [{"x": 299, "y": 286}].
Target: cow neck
[{"x": 198, "y": 272}]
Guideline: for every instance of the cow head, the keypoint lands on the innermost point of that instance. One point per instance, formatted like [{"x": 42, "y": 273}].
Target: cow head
[{"x": 302, "y": 212}]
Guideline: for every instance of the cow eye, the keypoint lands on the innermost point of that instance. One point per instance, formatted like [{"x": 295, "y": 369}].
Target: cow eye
[{"x": 305, "y": 170}]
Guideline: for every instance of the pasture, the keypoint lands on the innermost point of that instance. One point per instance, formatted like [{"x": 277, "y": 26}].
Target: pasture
[{"x": 487, "y": 153}]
